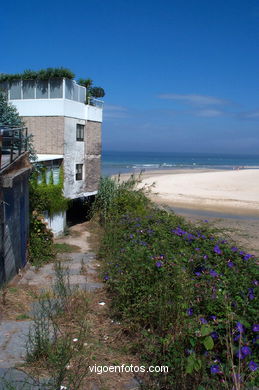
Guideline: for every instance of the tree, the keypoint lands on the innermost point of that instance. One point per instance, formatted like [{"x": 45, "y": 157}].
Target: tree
[
  {"x": 9, "y": 115},
  {"x": 97, "y": 92},
  {"x": 87, "y": 83}
]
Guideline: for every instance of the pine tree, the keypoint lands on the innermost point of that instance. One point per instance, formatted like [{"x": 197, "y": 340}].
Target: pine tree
[{"x": 9, "y": 116}]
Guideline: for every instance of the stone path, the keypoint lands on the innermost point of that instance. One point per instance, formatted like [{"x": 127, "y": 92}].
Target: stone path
[{"x": 82, "y": 270}]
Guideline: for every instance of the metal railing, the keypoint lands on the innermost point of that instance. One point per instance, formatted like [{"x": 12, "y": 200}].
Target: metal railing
[
  {"x": 94, "y": 102},
  {"x": 13, "y": 143}
]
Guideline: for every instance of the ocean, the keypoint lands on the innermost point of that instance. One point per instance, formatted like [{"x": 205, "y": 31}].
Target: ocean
[{"x": 115, "y": 162}]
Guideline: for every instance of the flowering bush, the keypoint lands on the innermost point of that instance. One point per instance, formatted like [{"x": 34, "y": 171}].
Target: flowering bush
[
  {"x": 41, "y": 249},
  {"x": 188, "y": 291}
]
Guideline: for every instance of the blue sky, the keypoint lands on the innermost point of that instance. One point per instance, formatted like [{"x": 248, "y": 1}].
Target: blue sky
[{"x": 179, "y": 75}]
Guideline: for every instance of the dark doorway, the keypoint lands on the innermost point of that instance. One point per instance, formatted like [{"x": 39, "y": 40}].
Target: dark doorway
[{"x": 79, "y": 210}]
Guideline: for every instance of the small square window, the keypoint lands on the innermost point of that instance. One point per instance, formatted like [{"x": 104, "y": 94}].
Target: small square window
[
  {"x": 80, "y": 129},
  {"x": 79, "y": 171}
]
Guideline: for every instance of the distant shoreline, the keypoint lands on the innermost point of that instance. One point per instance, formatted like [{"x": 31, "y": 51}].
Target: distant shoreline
[{"x": 233, "y": 192}]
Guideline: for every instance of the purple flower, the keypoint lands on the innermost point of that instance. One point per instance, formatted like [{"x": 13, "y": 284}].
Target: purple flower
[
  {"x": 190, "y": 311},
  {"x": 251, "y": 295},
  {"x": 198, "y": 273},
  {"x": 240, "y": 327},
  {"x": 213, "y": 273},
  {"x": 203, "y": 320},
  {"x": 217, "y": 250},
  {"x": 256, "y": 328},
  {"x": 247, "y": 256},
  {"x": 214, "y": 335},
  {"x": 237, "y": 337},
  {"x": 234, "y": 249},
  {"x": 106, "y": 277},
  {"x": 239, "y": 355},
  {"x": 230, "y": 264},
  {"x": 205, "y": 257},
  {"x": 237, "y": 378},
  {"x": 255, "y": 282},
  {"x": 256, "y": 340},
  {"x": 159, "y": 264},
  {"x": 206, "y": 221},
  {"x": 252, "y": 365},
  {"x": 214, "y": 369},
  {"x": 245, "y": 351}
]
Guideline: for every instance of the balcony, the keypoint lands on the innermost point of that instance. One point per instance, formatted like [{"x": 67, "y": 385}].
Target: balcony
[
  {"x": 13, "y": 143},
  {"x": 53, "y": 97}
]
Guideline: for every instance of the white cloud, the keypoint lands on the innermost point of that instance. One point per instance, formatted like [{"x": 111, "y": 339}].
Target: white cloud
[
  {"x": 114, "y": 111},
  {"x": 251, "y": 115},
  {"x": 198, "y": 100},
  {"x": 209, "y": 113}
]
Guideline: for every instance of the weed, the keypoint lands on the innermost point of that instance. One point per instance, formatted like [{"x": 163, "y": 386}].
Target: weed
[
  {"x": 65, "y": 248},
  {"x": 22, "y": 317},
  {"x": 57, "y": 345}
]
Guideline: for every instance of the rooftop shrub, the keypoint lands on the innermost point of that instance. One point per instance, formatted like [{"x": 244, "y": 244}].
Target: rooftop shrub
[{"x": 43, "y": 74}]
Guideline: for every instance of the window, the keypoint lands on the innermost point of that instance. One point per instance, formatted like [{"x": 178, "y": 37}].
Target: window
[
  {"x": 79, "y": 171},
  {"x": 80, "y": 129},
  {"x": 28, "y": 89}
]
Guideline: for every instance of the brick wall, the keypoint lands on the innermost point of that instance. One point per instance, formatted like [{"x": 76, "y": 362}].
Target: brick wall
[
  {"x": 93, "y": 155},
  {"x": 48, "y": 133}
]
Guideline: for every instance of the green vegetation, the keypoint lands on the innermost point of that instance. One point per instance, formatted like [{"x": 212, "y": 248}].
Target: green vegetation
[
  {"x": 43, "y": 74},
  {"x": 96, "y": 92},
  {"x": 41, "y": 249},
  {"x": 8, "y": 113},
  {"x": 43, "y": 197},
  {"x": 47, "y": 196},
  {"x": 186, "y": 292},
  {"x": 66, "y": 248},
  {"x": 56, "y": 339},
  {"x": 51, "y": 73}
]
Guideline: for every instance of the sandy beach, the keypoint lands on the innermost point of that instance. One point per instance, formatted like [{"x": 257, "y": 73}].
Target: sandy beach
[{"x": 235, "y": 191}]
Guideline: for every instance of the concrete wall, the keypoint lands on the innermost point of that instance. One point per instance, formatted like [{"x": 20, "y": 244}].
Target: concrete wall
[
  {"x": 74, "y": 153},
  {"x": 93, "y": 155},
  {"x": 48, "y": 133},
  {"x": 56, "y": 223},
  {"x": 57, "y": 107},
  {"x": 87, "y": 152}
]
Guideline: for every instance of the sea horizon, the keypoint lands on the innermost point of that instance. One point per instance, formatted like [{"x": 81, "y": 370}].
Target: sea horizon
[{"x": 115, "y": 162}]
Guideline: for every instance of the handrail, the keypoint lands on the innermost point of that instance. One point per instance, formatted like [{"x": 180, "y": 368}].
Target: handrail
[
  {"x": 91, "y": 101},
  {"x": 13, "y": 143}
]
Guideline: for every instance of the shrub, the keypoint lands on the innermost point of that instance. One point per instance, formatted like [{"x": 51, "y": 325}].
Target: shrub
[
  {"x": 41, "y": 248},
  {"x": 185, "y": 289}
]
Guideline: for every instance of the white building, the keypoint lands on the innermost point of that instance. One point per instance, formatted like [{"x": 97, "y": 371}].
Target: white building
[{"x": 65, "y": 130}]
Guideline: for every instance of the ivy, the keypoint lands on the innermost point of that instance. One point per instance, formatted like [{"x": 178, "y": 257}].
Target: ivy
[{"x": 47, "y": 196}]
